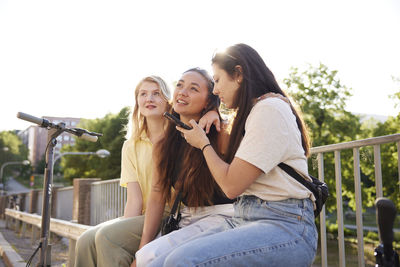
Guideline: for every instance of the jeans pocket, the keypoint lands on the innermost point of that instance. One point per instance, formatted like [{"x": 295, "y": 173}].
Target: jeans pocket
[{"x": 291, "y": 210}]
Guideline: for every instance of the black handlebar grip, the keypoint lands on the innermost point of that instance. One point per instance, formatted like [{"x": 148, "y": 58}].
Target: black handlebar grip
[{"x": 386, "y": 214}]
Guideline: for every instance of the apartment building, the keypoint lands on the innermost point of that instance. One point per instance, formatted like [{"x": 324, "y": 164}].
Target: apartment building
[{"x": 35, "y": 138}]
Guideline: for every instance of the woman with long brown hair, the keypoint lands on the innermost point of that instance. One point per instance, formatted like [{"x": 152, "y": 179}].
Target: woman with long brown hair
[
  {"x": 182, "y": 167},
  {"x": 273, "y": 222},
  {"x": 115, "y": 242}
]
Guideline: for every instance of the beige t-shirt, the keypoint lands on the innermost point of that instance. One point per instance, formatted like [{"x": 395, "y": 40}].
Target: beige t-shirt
[
  {"x": 272, "y": 136},
  {"x": 137, "y": 165}
]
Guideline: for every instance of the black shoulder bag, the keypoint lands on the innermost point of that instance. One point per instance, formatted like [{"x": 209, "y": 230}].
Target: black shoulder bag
[
  {"x": 171, "y": 223},
  {"x": 318, "y": 188}
]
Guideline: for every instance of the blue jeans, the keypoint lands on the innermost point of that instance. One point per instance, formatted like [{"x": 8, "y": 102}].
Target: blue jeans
[
  {"x": 261, "y": 233},
  {"x": 195, "y": 221}
]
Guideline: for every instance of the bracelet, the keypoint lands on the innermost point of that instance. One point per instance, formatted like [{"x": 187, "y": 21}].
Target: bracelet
[{"x": 202, "y": 150}]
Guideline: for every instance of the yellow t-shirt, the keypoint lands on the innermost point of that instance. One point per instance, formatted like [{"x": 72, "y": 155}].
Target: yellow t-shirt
[{"x": 137, "y": 165}]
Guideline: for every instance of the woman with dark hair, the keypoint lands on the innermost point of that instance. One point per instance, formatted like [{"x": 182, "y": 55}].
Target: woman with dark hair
[
  {"x": 273, "y": 222},
  {"x": 183, "y": 168},
  {"x": 114, "y": 243}
]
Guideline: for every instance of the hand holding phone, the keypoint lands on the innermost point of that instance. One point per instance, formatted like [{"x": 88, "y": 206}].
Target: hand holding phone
[{"x": 176, "y": 121}]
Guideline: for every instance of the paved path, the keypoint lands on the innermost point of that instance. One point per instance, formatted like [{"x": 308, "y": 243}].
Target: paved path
[
  {"x": 23, "y": 247},
  {"x": 10, "y": 256}
]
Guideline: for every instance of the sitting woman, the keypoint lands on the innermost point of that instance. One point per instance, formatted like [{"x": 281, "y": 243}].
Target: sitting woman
[
  {"x": 181, "y": 167},
  {"x": 273, "y": 222},
  {"x": 115, "y": 242}
]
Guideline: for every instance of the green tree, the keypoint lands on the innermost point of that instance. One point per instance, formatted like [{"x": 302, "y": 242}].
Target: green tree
[
  {"x": 322, "y": 99},
  {"x": 112, "y": 127},
  {"x": 389, "y": 153},
  {"x": 12, "y": 149},
  {"x": 396, "y": 96}
]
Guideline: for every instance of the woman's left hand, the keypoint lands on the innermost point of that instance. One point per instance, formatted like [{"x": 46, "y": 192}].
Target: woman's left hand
[
  {"x": 195, "y": 137},
  {"x": 210, "y": 118}
]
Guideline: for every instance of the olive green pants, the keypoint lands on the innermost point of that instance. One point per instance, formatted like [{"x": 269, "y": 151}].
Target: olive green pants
[{"x": 112, "y": 243}]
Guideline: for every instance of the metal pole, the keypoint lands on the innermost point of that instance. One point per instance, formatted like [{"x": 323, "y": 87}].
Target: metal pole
[
  {"x": 45, "y": 249},
  {"x": 1, "y": 175}
]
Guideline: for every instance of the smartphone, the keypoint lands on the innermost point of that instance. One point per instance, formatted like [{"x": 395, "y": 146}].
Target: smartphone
[{"x": 176, "y": 121}]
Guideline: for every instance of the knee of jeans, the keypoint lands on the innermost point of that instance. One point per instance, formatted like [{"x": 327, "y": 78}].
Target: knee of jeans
[
  {"x": 176, "y": 258},
  {"x": 144, "y": 256}
]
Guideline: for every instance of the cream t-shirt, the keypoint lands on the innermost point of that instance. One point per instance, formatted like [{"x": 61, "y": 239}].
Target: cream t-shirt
[
  {"x": 137, "y": 165},
  {"x": 272, "y": 136}
]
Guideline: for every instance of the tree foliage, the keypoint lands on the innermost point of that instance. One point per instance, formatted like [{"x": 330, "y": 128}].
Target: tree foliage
[
  {"x": 389, "y": 152},
  {"x": 322, "y": 99},
  {"x": 90, "y": 166},
  {"x": 12, "y": 149}
]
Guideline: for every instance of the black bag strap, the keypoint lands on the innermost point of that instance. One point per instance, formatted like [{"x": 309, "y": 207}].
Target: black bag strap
[
  {"x": 292, "y": 172},
  {"x": 177, "y": 203}
]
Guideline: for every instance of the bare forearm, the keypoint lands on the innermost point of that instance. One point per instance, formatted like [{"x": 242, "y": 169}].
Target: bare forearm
[
  {"x": 134, "y": 201},
  {"x": 154, "y": 212},
  {"x": 219, "y": 170},
  {"x": 132, "y": 209},
  {"x": 233, "y": 178}
]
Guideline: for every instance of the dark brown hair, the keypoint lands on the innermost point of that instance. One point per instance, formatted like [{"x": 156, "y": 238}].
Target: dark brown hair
[
  {"x": 183, "y": 166},
  {"x": 257, "y": 81}
]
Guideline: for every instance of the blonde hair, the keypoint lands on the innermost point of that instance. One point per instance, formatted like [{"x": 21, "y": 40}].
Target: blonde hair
[{"x": 137, "y": 122}]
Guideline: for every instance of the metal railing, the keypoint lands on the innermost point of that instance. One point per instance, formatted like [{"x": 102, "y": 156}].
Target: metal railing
[
  {"x": 337, "y": 149},
  {"x": 63, "y": 228},
  {"x": 107, "y": 200}
]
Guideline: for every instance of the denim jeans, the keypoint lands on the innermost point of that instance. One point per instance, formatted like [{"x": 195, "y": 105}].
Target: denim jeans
[
  {"x": 261, "y": 233},
  {"x": 194, "y": 222}
]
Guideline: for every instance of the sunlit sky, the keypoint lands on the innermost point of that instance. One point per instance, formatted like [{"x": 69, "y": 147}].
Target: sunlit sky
[{"x": 80, "y": 58}]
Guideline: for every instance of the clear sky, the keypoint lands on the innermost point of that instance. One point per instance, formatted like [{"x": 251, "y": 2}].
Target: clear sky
[{"x": 80, "y": 58}]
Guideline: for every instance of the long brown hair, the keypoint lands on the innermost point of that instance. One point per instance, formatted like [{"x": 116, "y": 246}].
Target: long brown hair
[
  {"x": 257, "y": 81},
  {"x": 182, "y": 166}
]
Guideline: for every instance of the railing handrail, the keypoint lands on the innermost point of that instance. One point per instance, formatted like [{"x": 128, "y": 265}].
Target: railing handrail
[
  {"x": 106, "y": 181},
  {"x": 59, "y": 227},
  {"x": 355, "y": 144},
  {"x": 65, "y": 188}
]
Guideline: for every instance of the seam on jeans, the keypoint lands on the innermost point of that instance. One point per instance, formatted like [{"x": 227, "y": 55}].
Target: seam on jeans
[
  {"x": 253, "y": 251},
  {"x": 306, "y": 231}
]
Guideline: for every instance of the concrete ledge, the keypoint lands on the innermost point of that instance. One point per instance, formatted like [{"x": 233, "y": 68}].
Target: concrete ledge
[{"x": 10, "y": 257}]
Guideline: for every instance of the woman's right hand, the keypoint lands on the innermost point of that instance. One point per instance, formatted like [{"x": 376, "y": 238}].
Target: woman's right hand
[
  {"x": 196, "y": 137},
  {"x": 133, "y": 264}
]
